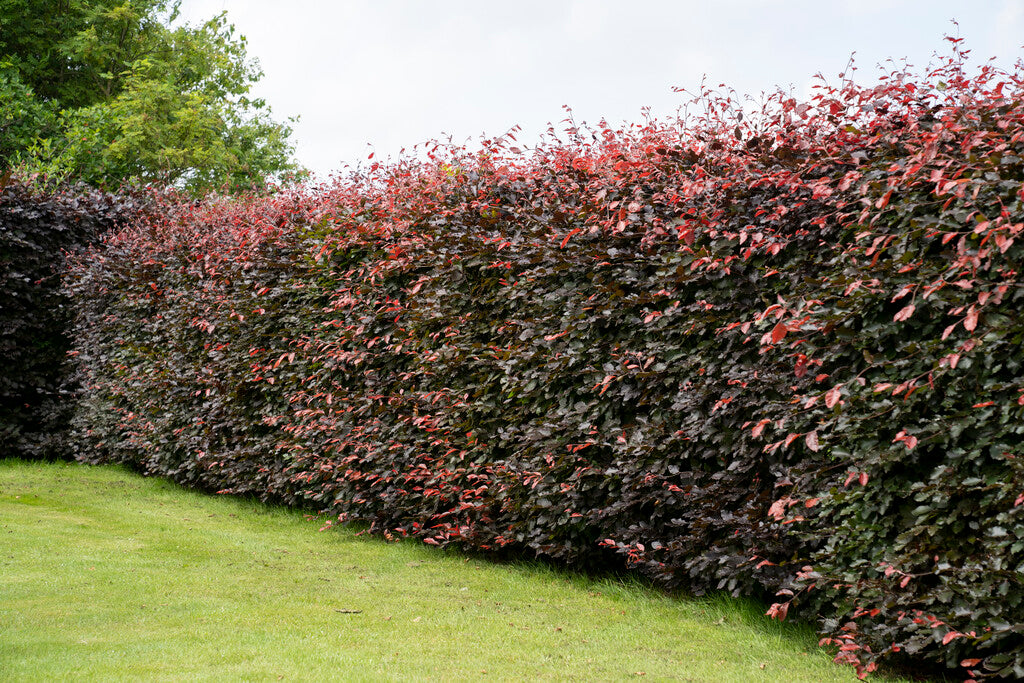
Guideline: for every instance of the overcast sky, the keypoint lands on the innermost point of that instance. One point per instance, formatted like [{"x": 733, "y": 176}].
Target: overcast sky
[{"x": 380, "y": 75}]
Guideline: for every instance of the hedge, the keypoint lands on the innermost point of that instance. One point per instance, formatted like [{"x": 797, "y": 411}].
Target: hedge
[
  {"x": 779, "y": 355},
  {"x": 36, "y": 229}
]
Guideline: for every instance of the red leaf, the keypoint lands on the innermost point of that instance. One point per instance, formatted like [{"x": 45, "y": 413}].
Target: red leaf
[
  {"x": 971, "y": 321},
  {"x": 970, "y": 662},
  {"x": 778, "y": 610},
  {"x": 759, "y": 428},
  {"x": 950, "y": 637},
  {"x": 863, "y": 479},
  {"x": 569, "y": 237},
  {"x": 778, "y": 509},
  {"x": 906, "y": 289},
  {"x": 904, "y": 313},
  {"x": 779, "y": 333},
  {"x": 884, "y": 200},
  {"x": 812, "y": 441},
  {"x": 605, "y": 383},
  {"x": 848, "y": 180},
  {"x": 984, "y": 404},
  {"x": 832, "y": 395}
]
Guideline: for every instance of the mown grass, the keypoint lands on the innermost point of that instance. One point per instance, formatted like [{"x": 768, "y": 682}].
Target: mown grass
[{"x": 106, "y": 575}]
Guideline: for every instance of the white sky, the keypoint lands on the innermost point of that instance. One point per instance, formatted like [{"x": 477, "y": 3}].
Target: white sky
[{"x": 380, "y": 75}]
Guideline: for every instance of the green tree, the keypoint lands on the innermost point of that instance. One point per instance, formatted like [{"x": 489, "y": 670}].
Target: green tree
[{"x": 107, "y": 91}]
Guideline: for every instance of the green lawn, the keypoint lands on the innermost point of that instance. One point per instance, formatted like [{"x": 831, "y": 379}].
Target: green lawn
[{"x": 106, "y": 575}]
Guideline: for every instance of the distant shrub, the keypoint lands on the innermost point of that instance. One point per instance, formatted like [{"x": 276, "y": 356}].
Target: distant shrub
[
  {"x": 36, "y": 229},
  {"x": 778, "y": 355}
]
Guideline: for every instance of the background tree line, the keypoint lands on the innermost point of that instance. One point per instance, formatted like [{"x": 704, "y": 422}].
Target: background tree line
[{"x": 108, "y": 91}]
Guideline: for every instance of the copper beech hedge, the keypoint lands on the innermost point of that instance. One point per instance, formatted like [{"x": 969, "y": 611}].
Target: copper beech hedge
[{"x": 778, "y": 355}]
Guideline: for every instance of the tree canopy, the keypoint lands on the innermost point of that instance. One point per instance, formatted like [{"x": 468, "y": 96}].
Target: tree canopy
[{"x": 109, "y": 91}]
